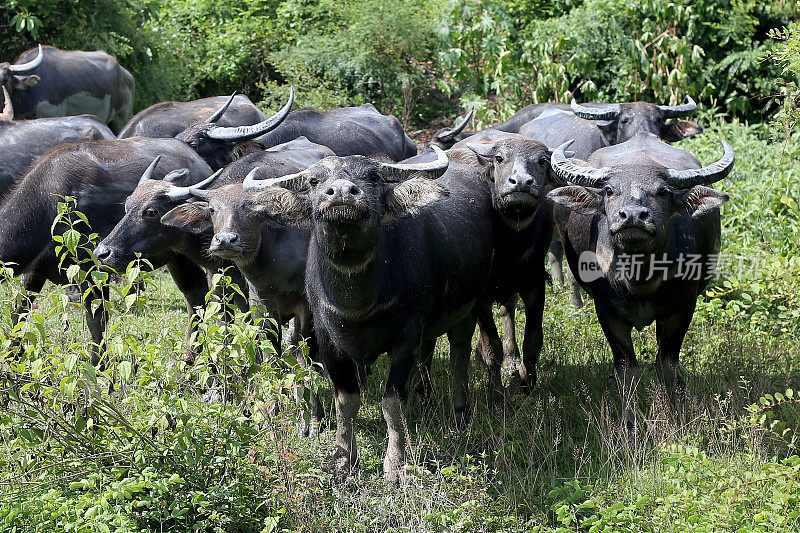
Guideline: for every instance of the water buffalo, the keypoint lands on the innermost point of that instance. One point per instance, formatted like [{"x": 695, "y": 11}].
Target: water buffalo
[
  {"x": 621, "y": 122},
  {"x": 447, "y": 137},
  {"x": 519, "y": 174},
  {"x": 347, "y": 131},
  {"x": 152, "y": 226},
  {"x": 633, "y": 218},
  {"x": 100, "y": 175},
  {"x": 48, "y": 82},
  {"x": 553, "y": 127},
  {"x": 168, "y": 119},
  {"x": 22, "y": 141},
  {"x": 396, "y": 259}
]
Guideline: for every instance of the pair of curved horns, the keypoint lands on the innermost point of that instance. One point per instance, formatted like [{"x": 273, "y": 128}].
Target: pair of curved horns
[
  {"x": 392, "y": 172},
  {"x": 680, "y": 179},
  {"x": 450, "y": 134},
  {"x": 176, "y": 193},
  {"x": 30, "y": 65},
  {"x": 244, "y": 133},
  {"x": 611, "y": 111},
  {"x": 8, "y": 109}
]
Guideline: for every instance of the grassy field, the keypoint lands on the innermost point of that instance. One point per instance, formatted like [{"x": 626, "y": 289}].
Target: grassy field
[{"x": 152, "y": 456}]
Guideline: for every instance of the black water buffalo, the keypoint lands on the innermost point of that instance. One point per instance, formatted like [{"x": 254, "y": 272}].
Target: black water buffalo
[
  {"x": 634, "y": 218},
  {"x": 168, "y": 119},
  {"x": 48, "y": 82},
  {"x": 623, "y": 121},
  {"x": 554, "y": 127},
  {"x": 519, "y": 174},
  {"x": 347, "y": 131},
  {"x": 153, "y": 229},
  {"x": 100, "y": 175},
  {"x": 395, "y": 260},
  {"x": 22, "y": 141}
]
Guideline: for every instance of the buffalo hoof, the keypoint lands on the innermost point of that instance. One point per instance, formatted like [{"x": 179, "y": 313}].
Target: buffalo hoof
[
  {"x": 394, "y": 471},
  {"x": 340, "y": 465}
]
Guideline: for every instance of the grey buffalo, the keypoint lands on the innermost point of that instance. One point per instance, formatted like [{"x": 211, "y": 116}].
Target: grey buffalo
[
  {"x": 359, "y": 130},
  {"x": 168, "y": 119},
  {"x": 623, "y": 121},
  {"x": 48, "y": 82},
  {"x": 156, "y": 223},
  {"x": 22, "y": 141},
  {"x": 632, "y": 217}
]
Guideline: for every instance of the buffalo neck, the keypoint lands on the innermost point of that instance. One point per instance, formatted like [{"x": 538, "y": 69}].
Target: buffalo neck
[{"x": 346, "y": 267}]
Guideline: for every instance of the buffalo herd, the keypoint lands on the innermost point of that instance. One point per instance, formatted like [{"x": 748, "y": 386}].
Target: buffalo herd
[{"x": 362, "y": 246}]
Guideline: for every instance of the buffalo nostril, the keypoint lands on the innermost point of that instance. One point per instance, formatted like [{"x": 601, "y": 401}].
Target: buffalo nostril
[
  {"x": 644, "y": 215},
  {"x": 102, "y": 252},
  {"x": 355, "y": 191},
  {"x": 623, "y": 215},
  {"x": 512, "y": 181},
  {"x": 529, "y": 181},
  {"x": 233, "y": 239},
  {"x": 330, "y": 191}
]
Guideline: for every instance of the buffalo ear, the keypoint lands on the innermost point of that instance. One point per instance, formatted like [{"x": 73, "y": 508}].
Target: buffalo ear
[
  {"x": 583, "y": 200},
  {"x": 410, "y": 196},
  {"x": 698, "y": 200},
  {"x": 193, "y": 217},
  {"x": 25, "y": 82},
  {"x": 282, "y": 204},
  {"x": 679, "y": 129}
]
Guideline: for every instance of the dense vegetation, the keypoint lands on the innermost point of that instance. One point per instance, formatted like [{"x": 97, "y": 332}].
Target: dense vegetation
[
  {"x": 418, "y": 59},
  {"x": 151, "y": 455}
]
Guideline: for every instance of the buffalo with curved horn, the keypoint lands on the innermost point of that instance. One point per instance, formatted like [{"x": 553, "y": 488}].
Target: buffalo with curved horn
[
  {"x": 68, "y": 83},
  {"x": 630, "y": 220},
  {"x": 622, "y": 122}
]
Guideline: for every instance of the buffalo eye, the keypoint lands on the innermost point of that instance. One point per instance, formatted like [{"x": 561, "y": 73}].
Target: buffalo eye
[
  {"x": 498, "y": 158},
  {"x": 663, "y": 192},
  {"x": 609, "y": 191},
  {"x": 373, "y": 177},
  {"x": 624, "y": 120},
  {"x": 542, "y": 161},
  {"x": 313, "y": 182},
  {"x": 211, "y": 209},
  {"x": 149, "y": 213}
]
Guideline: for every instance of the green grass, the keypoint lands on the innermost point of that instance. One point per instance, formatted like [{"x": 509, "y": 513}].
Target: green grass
[{"x": 152, "y": 456}]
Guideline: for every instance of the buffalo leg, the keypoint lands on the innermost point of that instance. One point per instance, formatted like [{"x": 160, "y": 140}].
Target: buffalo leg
[
  {"x": 347, "y": 397},
  {"x": 395, "y": 394},
  {"x": 460, "y": 339},
  {"x": 575, "y": 297},
  {"x": 32, "y": 283},
  {"x": 555, "y": 256},
  {"x": 424, "y": 387},
  {"x": 97, "y": 320},
  {"x": 626, "y": 367},
  {"x": 670, "y": 333},
  {"x": 297, "y": 333},
  {"x": 491, "y": 351},
  {"x": 534, "y": 338},
  {"x": 508, "y": 311},
  {"x": 191, "y": 281}
]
